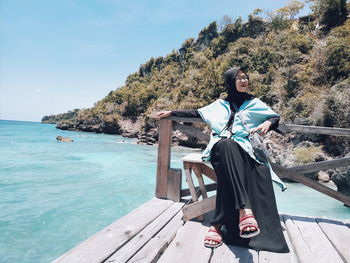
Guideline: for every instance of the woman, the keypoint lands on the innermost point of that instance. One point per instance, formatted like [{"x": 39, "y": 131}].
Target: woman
[{"x": 245, "y": 201}]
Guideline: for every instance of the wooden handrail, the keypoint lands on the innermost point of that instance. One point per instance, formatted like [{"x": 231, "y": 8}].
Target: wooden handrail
[
  {"x": 295, "y": 173},
  {"x": 289, "y": 127},
  {"x": 318, "y": 129}
]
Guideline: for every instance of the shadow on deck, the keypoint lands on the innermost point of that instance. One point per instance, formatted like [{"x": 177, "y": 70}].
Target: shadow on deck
[{"x": 155, "y": 232}]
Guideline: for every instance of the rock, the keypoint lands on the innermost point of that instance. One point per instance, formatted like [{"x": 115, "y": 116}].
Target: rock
[
  {"x": 64, "y": 125},
  {"x": 342, "y": 180},
  {"x": 62, "y": 139},
  {"x": 323, "y": 176},
  {"x": 111, "y": 127}
]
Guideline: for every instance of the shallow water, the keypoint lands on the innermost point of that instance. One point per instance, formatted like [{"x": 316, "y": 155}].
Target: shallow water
[{"x": 54, "y": 195}]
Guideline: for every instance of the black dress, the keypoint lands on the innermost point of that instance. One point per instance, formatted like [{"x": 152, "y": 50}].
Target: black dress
[{"x": 244, "y": 183}]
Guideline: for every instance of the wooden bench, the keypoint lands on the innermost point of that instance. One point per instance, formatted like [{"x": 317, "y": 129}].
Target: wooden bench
[{"x": 193, "y": 162}]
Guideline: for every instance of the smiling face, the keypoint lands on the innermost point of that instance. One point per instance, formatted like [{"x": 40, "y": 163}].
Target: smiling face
[{"x": 242, "y": 84}]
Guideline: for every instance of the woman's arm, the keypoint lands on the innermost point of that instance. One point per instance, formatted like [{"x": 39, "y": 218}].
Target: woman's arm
[
  {"x": 186, "y": 113},
  {"x": 270, "y": 124},
  {"x": 179, "y": 113}
]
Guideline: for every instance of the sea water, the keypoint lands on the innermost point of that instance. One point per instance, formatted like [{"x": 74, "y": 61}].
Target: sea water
[{"x": 55, "y": 195}]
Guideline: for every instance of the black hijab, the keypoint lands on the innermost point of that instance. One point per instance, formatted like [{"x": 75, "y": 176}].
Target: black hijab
[{"x": 234, "y": 96}]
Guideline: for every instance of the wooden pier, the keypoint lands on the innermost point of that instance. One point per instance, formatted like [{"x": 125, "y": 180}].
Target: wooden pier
[
  {"x": 155, "y": 232},
  {"x": 159, "y": 231}
]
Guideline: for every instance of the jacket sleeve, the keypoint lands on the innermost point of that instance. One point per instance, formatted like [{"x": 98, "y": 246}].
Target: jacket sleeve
[
  {"x": 186, "y": 113},
  {"x": 275, "y": 121}
]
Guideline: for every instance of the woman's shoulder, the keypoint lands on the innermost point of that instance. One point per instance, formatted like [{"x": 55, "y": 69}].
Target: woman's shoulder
[
  {"x": 218, "y": 102},
  {"x": 256, "y": 102}
]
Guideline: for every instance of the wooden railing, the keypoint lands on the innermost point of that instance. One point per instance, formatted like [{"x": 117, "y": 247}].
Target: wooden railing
[{"x": 168, "y": 183}]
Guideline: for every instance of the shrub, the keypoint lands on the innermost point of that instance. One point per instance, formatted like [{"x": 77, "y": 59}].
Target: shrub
[{"x": 305, "y": 155}]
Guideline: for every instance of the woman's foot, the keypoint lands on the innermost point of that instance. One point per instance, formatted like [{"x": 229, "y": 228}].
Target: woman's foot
[
  {"x": 247, "y": 224},
  {"x": 213, "y": 238}
]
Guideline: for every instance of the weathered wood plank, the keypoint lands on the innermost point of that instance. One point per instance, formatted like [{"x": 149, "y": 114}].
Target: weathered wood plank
[
  {"x": 164, "y": 151},
  {"x": 198, "y": 208},
  {"x": 192, "y": 158},
  {"x": 190, "y": 183},
  {"x": 187, "y": 245},
  {"x": 318, "y": 129},
  {"x": 312, "y": 184},
  {"x": 208, "y": 188},
  {"x": 191, "y": 186},
  {"x": 101, "y": 245},
  {"x": 156, "y": 246},
  {"x": 234, "y": 254},
  {"x": 197, "y": 171},
  {"x": 309, "y": 241},
  {"x": 138, "y": 241},
  {"x": 318, "y": 166},
  {"x": 339, "y": 235},
  {"x": 174, "y": 184},
  {"x": 191, "y": 132},
  {"x": 270, "y": 257}
]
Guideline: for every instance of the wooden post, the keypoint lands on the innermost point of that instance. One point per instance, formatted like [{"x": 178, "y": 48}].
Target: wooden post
[
  {"x": 174, "y": 184},
  {"x": 164, "y": 154}
]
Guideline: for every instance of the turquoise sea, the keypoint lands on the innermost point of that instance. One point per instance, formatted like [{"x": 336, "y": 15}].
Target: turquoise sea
[{"x": 54, "y": 195}]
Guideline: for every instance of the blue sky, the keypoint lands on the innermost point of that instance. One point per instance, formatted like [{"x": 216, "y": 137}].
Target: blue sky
[{"x": 58, "y": 55}]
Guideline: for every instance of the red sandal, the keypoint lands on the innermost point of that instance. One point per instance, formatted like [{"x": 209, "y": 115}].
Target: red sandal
[
  {"x": 245, "y": 222},
  {"x": 217, "y": 240}
]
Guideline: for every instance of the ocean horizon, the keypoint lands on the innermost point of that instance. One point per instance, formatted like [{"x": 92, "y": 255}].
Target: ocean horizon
[{"x": 56, "y": 195}]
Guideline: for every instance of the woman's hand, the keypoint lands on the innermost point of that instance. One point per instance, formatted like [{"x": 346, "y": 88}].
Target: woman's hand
[
  {"x": 163, "y": 114},
  {"x": 262, "y": 128}
]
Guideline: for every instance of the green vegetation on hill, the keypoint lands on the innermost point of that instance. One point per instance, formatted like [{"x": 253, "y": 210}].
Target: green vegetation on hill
[{"x": 299, "y": 67}]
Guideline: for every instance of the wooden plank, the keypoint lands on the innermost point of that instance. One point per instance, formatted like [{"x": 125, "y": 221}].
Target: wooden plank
[
  {"x": 191, "y": 132},
  {"x": 190, "y": 183},
  {"x": 164, "y": 155},
  {"x": 270, "y": 257},
  {"x": 174, "y": 184},
  {"x": 192, "y": 158},
  {"x": 309, "y": 241},
  {"x": 187, "y": 246},
  {"x": 199, "y": 208},
  {"x": 209, "y": 172},
  {"x": 313, "y": 184},
  {"x": 339, "y": 235},
  {"x": 156, "y": 246},
  {"x": 301, "y": 247},
  {"x": 234, "y": 254},
  {"x": 138, "y": 241},
  {"x": 197, "y": 171},
  {"x": 318, "y": 166},
  {"x": 318, "y": 129},
  {"x": 208, "y": 188},
  {"x": 101, "y": 245}
]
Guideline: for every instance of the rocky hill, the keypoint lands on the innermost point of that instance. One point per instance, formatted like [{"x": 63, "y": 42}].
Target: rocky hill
[{"x": 300, "y": 67}]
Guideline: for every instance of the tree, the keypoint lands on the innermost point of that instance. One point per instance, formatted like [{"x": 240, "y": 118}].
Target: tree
[
  {"x": 330, "y": 13},
  {"x": 291, "y": 9}
]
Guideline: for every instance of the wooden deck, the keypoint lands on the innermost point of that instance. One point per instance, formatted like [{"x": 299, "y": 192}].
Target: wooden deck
[{"x": 155, "y": 232}]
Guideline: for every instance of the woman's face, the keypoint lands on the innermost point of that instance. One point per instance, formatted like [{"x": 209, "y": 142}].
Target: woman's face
[{"x": 242, "y": 84}]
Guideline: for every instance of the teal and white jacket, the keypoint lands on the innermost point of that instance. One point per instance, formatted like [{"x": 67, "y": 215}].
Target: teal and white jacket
[{"x": 254, "y": 112}]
